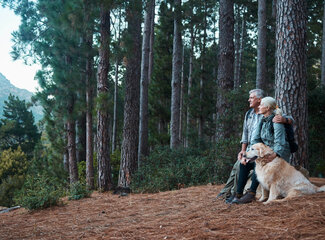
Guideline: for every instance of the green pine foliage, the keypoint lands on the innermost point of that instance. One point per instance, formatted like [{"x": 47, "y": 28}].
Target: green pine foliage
[
  {"x": 167, "y": 169},
  {"x": 17, "y": 127},
  {"x": 39, "y": 192},
  {"x": 8, "y": 189},
  {"x": 78, "y": 191},
  {"x": 12, "y": 162}
]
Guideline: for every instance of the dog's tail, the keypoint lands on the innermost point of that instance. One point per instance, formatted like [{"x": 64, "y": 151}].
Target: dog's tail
[{"x": 321, "y": 189}]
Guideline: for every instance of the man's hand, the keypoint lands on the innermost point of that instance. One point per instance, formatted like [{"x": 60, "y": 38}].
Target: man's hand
[
  {"x": 241, "y": 154},
  {"x": 279, "y": 119}
]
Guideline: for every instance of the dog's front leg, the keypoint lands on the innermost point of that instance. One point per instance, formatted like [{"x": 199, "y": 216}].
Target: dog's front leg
[
  {"x": 273, "y": 194},
  {"x": 265, "y": 195}
]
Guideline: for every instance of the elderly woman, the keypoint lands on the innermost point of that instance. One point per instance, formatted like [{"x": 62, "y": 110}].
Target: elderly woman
[{"x": 271, "y": 134}]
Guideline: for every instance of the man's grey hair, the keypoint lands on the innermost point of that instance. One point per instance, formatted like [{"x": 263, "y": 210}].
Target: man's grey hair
[{"x": 259, "y": 93}]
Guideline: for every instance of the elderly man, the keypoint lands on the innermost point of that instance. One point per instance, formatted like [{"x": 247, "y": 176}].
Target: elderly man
[{"x": 251, "y": 119}]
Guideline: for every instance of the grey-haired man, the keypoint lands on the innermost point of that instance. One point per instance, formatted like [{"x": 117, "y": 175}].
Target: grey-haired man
[{"x": 250, "y": 122}]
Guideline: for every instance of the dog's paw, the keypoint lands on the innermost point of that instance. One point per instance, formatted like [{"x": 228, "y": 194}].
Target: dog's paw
[{"x": 262, "y": 199}]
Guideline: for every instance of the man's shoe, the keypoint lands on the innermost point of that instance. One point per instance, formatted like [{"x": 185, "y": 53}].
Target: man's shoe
[
  {"x": 220, "y": 196},
  {"x": 236, "y": 198},
  {"x": 247, "y": 198},
  {"x": 230, "y": 198}
]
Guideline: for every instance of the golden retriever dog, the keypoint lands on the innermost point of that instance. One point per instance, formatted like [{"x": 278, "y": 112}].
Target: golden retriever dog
[{"x": 278, "y": 178}]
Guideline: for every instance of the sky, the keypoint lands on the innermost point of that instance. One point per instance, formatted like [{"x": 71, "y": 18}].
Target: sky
[{"x": 19, "y": 74}]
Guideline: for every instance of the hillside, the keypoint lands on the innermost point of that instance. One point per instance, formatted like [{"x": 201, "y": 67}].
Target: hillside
[
  {"x": 6, "y": 88},
  {"x": 190, "y": 213}
]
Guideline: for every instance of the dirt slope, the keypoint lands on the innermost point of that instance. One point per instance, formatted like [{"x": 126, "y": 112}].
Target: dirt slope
[{"x": 191, "y": 213}]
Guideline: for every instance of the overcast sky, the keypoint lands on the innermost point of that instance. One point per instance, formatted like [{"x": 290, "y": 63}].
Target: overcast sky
[{"x": 19, "y": 74}]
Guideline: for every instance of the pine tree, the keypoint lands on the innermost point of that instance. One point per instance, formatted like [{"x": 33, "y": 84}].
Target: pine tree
[
  {"x": 225, "y": 80},
  {"x": 176, "y": 77},
  {"x": 129, "y": 153},
  {"x": 291, "y": 78},
  {"x": 103, "y": 154}
]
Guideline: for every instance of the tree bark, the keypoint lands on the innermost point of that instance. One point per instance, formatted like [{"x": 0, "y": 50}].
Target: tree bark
[
  {"x": 129, "y": 153},
  {"x": 261, "y": 46},
  {"x": 143, "y": 148},
  {"x": 176, "y": 77},
  {"x": 225, "y": 68},
  {"x": 89, "y": 98},
  {"x": 241, "y": 48},
  {"x": 152, "y": 39},
  {"x": 114, "y": 134},
  {"x": 189, "y": 87},
  {"x": 237, "y": 47},
  {"x": 181, "y": 101},
  {"x": 103, "y": 154},
  {"x": 202, "y": 75},
  {"x": 81, "y": 137},
  {"x": 290, "y": 71},
  {"x": 323, "y": 51},
  {"x": 71, "y": 132}
]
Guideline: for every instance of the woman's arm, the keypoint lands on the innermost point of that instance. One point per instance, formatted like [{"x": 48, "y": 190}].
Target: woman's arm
[{"x": 279, "y": 139}]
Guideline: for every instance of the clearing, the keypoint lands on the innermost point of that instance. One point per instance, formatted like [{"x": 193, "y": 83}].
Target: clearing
[{"x": 188, "y": 213}]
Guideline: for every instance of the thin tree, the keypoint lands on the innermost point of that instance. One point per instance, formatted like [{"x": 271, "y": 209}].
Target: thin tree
[
  {"x": 261, "y": 46},
  {"x": 71, "y": 136},
  {"x": 225, "y": 78},
  {"x": 189, "y": 84},
  {"x": 323, "y": 50},
  {"x": 103, "y": 154},
  {"x": 117, "y": 62},
  {"x": 129, "y": 154},
  {"x": 176, "y": 76},
  {"x": 88, "y": 39},
  {"x": 237, "y": 45},
  {"x": 143, "y": 149},
  {"x": 290, "y": 71}
]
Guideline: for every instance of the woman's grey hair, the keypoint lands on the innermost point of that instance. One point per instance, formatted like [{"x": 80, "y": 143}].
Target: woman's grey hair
[
  {"x": 259, "y": 93},
  {"x": 271, "y": 103}
]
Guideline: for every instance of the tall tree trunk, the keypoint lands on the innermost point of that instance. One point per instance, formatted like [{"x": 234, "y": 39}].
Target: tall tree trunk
[
  {"x": 129, "y": 153},
  {"x": 66, "y": 151},
  {"x": 114, "y": 134},
  {"x": 176, "y": 77},
  {"x": 143, "y": 148},
  {"x": 237, "y": 47},
  {"x": 241, "y": 48},
  {"x": 225, "y": 68},
  {"x": 290, "y": 71},
  {"x": 103, "y": 154},
  {"x": 81, "y": 137},
  {"x": 323, "y": 50},
  {"x": 202, "y": 75},
  {"x": 181, "y": 101},
  {"x": 189, "y": 87},
  {"x": 261, "y": 46},
  {"x": 71, "y": 135},
  {"x": 89, "y": 97},
  {"x": 152, "y": 39},
  {"x": 117, "y": 61}
]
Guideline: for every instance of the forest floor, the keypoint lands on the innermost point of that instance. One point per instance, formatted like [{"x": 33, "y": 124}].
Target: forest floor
[{"x": 188, "y": 213}]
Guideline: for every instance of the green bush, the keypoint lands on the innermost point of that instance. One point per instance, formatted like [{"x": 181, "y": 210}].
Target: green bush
[
  {"x": 12, "y": 162},
  {"x": 78, "y": 190},
  {"x": 8, "y": 189},
  {"x": 39, "y": 192}
]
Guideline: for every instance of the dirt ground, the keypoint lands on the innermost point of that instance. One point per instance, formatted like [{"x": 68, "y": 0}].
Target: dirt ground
[{"x": 188, "y": 213}]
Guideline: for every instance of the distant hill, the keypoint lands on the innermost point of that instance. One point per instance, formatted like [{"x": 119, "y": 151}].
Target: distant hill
[{"x": 6, "y": 88}]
